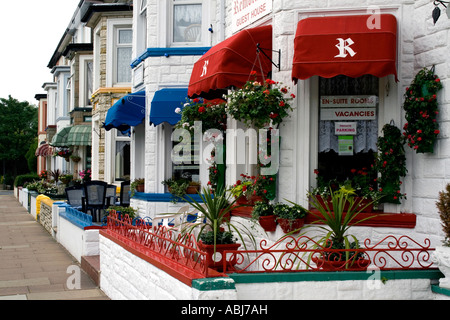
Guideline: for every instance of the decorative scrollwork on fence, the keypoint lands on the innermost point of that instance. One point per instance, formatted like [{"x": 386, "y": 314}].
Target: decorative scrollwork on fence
[
  {"x": 289, "y": 254},
  {"x": 295, "y": 254},
  {"x": 169, "y": 243}
]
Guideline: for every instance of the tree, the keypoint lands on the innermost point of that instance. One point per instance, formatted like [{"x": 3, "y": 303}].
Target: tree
[{"x": 18, "y": 129}]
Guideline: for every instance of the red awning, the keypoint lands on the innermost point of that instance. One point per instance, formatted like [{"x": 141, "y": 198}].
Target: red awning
[
  {"x": 229, "y": 63},
  {"x": 44, "y": 150},
  {"x": 345, "y": 45}
]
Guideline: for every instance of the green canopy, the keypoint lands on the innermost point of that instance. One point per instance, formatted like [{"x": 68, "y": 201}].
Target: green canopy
[
  {"x": 60, "y": 138},
  {"x": 73, "y": 136},
  {"x": 80, "y": 136}
]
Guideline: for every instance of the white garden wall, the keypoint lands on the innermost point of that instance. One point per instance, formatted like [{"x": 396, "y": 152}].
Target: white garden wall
[{"x": 125, "y": 276}]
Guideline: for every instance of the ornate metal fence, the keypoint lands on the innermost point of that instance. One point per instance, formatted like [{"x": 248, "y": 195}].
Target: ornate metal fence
[
  {"x": 292, "y": 254},
  {"x": 159, "y": 241},
  {"x": 289, "y": 254}
]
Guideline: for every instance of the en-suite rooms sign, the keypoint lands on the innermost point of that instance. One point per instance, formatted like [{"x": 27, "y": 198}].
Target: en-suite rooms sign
[
  {"x": 348, "y": 107},
  {"x": 245, "y": 12}
]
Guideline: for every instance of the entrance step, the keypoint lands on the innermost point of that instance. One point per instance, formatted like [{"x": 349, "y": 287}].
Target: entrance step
[{"x": 91, "y": 265}]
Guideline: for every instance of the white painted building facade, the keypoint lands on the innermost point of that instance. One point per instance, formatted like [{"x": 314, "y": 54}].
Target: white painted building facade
[{"x": 420, "y": 43}]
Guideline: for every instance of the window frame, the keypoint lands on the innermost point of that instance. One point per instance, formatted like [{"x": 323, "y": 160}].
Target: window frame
[
  {"x": 113, "y": 27},
  {"x": 203, "y": 28}
]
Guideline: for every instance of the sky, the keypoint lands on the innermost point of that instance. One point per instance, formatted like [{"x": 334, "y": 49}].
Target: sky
[{"x": 30, "y": 31}]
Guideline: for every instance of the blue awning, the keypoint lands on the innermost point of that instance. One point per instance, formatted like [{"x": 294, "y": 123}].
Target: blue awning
[
  {"x": 127, "y": 112},
  {"x": 164, "y": 104}
]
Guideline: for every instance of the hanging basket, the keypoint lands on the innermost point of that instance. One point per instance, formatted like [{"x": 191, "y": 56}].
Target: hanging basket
[{"x": 421, "y": 109}]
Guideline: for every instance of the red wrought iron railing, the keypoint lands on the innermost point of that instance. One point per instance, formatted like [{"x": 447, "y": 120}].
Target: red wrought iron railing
[
  {"x": 159, "y": 241},
  {"x": 289, "y": 254},
  {"x": 296, "y": 254}
]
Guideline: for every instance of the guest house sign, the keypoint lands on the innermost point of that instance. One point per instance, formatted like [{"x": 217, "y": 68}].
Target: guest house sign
[
  {"x": 348, "y": 107},
  {"x": 245, "y": 12}
]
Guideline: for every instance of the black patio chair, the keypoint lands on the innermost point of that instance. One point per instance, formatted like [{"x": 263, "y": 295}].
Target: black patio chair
[
  {"x": 111, "y": 198},
  {"x": 95, "y": 199},
  {"x": 75, "y": 196},
  {"x": 125, "y": 193}
]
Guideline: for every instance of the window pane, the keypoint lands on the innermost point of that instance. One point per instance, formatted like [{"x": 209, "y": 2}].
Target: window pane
[
  {"x": 89, "y": 81},
  {"x": 125, "y": 36},
  {"x": 123, "y": 64},
  {"x": 122, "y": 160},
  {"x": 187, "y": 21}
]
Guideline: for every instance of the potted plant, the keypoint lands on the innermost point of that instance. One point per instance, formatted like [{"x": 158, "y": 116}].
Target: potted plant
[
  {"x": 193, "y": 188},
  {"x": 290, "y": 218},
  {"x": 131, "y": 212},
  {"x": 211, "y": 114},
  {"x": 264, "y": 213},
  {"x": 215, "y": 207},
  {"x": 390, "y": 163},
  {"x": 85, "y": 175},
  {"x": 360, "y": 185},
  {"x": 259, "y": 104},
  {"x": 337, "y": 218},
  {"x": 66, "y": 178},
  {"x": 251, "y": 189},
  {"x": 176, "y": 187},
  {"x": 421, "y": 109},
  {"x": 442, "y": 253},
  {"x": 75, "y": 158},
  {"x": 242, "y": 190},
  {"x": 137, "y": 186}
]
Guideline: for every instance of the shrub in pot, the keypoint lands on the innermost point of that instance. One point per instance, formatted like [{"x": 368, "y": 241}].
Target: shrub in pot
[
  {"x": 263, "y": 212},
  {"x": 215, "y": 208},
  {"x": 336, "y": 219},
  {"x": 290, "y": 218}
]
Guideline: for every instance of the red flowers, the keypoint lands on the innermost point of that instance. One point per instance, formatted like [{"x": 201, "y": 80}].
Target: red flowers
[{"x": 201, "y": 109}]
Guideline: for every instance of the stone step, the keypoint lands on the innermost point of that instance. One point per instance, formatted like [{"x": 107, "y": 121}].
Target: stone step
[{"x": 91, "y": 265}]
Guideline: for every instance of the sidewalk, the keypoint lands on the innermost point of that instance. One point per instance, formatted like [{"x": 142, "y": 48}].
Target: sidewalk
[{"x": 33, "y": 266}]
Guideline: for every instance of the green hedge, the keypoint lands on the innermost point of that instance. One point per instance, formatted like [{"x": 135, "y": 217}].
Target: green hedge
[{"x": 22, "y": 179}]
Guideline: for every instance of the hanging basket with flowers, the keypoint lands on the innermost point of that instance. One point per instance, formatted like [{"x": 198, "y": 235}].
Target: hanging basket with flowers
[
  {"x": 390, "y": 164},
  {"x": 421, "y": 128},
  {"x": 260, "y": 104},
  {"x": 211, "y": 114}
]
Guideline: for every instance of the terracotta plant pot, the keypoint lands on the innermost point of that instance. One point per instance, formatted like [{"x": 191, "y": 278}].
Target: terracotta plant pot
[
  {"x": 192, "y": 189},
  {"x": 242, "y": 200},
  {"x": 288, "y": 225},
  {"x": 217, "y": 262},
  {"x": 268, "y": 223},
  {"x": 326, "y": 265}
]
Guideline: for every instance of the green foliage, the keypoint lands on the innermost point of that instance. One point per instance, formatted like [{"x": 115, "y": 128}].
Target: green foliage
[
  {"x": 390, "y": 164},
  {"x": 262, "y": 209},
  {"x": 134, "y": 184},
  {"x": 338, "y": 217},
  {"x": 42, "y": 187},
  {"x": 130, "y": 211},
  {"x": 222, "y": 237},
  {"x": 22, "y": 179},
  {"x": 284, "y": 211},
  {"x": 176, "y": 187},
  {"x": 443, "y": 206},
  {"x": 215, "y": 208},
  {"x": 258, "y": 104},
  {"x": 211, "y": 114},
  {"x": 18, "y": 128},
  {"x": 31, "y": 156},
  {"x": 421, "y": 110}
]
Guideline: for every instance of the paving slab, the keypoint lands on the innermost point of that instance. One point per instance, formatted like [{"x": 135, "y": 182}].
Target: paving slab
[{"x": 33, "y": 266}]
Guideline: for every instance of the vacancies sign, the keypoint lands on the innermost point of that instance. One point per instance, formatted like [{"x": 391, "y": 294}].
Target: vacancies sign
[{"x": 362, "y": 107}]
